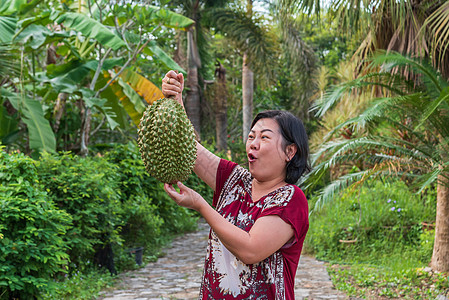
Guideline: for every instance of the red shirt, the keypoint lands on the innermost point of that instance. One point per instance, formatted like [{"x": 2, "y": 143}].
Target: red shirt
[{"x": 225, "y": 276}]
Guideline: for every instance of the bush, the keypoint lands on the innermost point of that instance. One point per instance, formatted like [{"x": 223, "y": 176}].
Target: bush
[
  {"x": 32, "y": 248},
  {"x": 87, "y": 189},
  {"x": 63, "y": 213},
  {"x": 380, "y": 217},
  {"x": 142, "y": 223}
]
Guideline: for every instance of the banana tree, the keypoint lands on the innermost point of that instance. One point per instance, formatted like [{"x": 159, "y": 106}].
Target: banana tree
[
  {"x": 403, "y": 133},
  {"x": 92, "y": 52}
]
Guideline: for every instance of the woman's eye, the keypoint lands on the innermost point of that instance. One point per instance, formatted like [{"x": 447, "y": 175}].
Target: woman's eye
[
  {"x": 250, "y": 136},
  {"x": 264, "y": 137}
]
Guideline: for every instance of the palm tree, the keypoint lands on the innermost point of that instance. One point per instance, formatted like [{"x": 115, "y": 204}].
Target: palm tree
[
  {"x": 418, "y": 28},
  {"x": 255, "y": 41},
  {"x": 247, "y": 83},
  {"x": 300, "y": 59},
  {"x": 413, "y": 141}
]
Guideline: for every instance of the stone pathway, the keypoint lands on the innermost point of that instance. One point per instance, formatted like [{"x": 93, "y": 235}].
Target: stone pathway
[{"x": 177, "y": 275}]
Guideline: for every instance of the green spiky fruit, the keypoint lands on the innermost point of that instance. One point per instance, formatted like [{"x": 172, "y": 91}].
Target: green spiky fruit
[{"x": 167, "y": 141}]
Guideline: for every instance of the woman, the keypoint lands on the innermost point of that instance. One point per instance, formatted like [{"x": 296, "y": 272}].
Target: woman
[{"x": 260, "y": 218}]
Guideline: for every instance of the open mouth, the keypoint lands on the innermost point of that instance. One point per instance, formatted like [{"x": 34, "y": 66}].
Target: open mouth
[{"x": 251, "y": 157}]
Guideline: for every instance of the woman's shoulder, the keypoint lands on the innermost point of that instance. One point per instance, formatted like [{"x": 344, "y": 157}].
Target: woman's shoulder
[
  {"x": 287, "y": 195},
  {"x": 298, "y": 193}
]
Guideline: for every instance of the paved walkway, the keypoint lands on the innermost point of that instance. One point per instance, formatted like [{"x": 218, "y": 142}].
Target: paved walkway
[{"x": 177, "y": 275}]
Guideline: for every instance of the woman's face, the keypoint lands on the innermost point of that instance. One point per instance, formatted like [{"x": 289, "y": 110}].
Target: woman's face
[{"x": 266, "y": 156}]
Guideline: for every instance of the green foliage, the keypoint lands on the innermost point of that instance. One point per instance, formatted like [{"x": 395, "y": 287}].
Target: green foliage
[
  {"x": 80, "y": 286},
  {"x": 378, "y": 240},
  {"x": 378, "y": 218},
  {"x": 87, "y": 189},
  {"x": 59, "y": 211},
  {"x": 142, "y": 223},
  {"x": 32, "y": 229}
]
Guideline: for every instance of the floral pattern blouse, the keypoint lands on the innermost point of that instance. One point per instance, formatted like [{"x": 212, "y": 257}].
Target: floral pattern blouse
[{"x": 225, "y": 276}]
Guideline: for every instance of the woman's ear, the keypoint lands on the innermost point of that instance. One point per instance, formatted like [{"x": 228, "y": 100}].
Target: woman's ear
[{"x": 290, "y": 151}]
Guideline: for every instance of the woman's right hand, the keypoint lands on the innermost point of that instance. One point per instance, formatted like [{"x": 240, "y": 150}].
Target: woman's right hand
[
  {"x": 172, "y": 85},
  {"x": 186, "y": 197}
]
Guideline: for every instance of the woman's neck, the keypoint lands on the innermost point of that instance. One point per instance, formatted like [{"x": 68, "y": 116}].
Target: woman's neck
[{"x": 262, "y": 188}]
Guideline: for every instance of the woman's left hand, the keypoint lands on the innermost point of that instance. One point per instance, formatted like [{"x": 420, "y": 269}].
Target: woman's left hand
[{"x": 186, "y": 197}]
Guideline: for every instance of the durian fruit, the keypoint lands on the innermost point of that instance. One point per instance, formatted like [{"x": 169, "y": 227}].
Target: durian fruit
[{"x": 166, "y": 140}]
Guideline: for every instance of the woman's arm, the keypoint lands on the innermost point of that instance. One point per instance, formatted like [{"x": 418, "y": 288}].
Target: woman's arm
[
  {"x": 267, "y": 235},
  {"x": 206, "y": 163}
]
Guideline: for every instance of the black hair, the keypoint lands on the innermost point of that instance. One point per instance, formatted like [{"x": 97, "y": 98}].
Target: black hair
[{"x": 293, "y": 132}]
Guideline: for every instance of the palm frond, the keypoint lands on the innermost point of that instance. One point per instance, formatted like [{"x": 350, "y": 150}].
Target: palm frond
[
  {"x": 299, "y": 53},
  {"x": 373, "y": 79},
  {"x": 292, "y": 7},
  {"x": 330, "y": 192},
  {"x": 360, "y": 122},
  {"x": 403, "y": 149},
  {"x": 369, "y": 148},
  {"x": 428, "y": 179},
  {"x": 388, "y": 61},
  {"x": 385, "y": 110},
  {"x": 433, "y": 106},
  {"x": 248, "y": 35},
  {"x": 438, "y": 24},
  {"x": 8, "y": 63}
]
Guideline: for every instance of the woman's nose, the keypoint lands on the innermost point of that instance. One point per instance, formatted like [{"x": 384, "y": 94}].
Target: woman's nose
[{"x": 254, "y": 144}]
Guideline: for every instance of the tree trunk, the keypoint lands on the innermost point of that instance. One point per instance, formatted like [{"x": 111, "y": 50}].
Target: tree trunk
[
  {"x": 247, "y": 85},
  {"x": 59, "y": 109},
  {"x": 85, "y": 130},
  {"x": 192, "y": 103},
  {"x": 221, "y": 98},
  {"x": 180, "y": 52},
  {"x": 247, "y": 93},
  {"x": 440, "y": 256}
]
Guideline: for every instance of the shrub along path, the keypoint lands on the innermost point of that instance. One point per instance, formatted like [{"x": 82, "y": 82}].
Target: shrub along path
[{"x": 177, "y": 275}]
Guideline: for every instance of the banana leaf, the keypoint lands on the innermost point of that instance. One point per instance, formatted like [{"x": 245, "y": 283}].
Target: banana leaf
[
  {"x": 121, "y": 116},
  {"x": 130, "y": 100},
  {"x": 142, "y": 86},
  {"x": 153, "y": 49},
  {"x": 41, "y": 136},
  {"x": 9, "y": 7},
  {"x": 154, "y": 14},
  {"x": 130, "y": 88},
  {"x": 7, "y": 28},
  {"x": 37, "y": 35},
  {"x": 90, "y": 28},
  {"x": 107, "y": 111}
]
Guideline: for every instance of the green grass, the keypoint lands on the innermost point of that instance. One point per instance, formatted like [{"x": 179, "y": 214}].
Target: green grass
[
  {"x": 390, "y": 248},
  {"x": 377, "y": 282}
]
